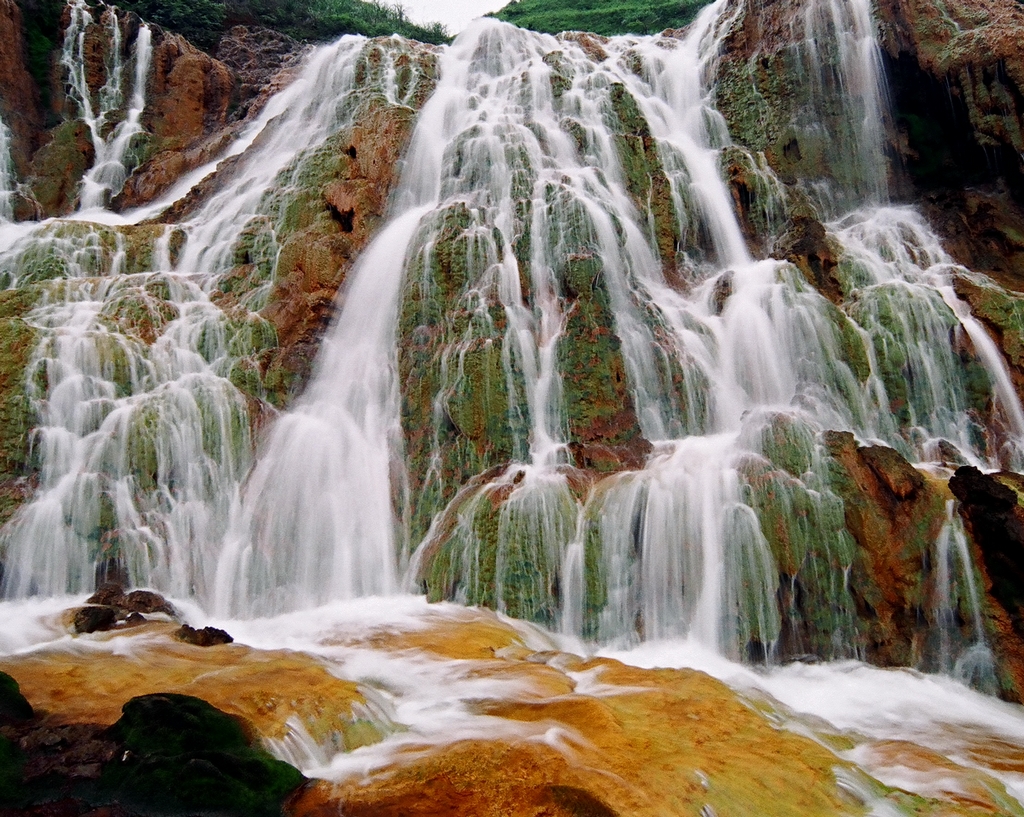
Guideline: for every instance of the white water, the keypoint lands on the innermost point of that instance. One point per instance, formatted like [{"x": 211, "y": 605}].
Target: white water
[
  {"x": 7, "y": 176},
  {"x": 418, "y": 699},
  {"x": 847, "y": 28},
  {"x": 111, "y": 142},
  {"x": 144, "y": 446},
  {"x": 958, "y": 592},
  {"x": 141, "y": 438}
]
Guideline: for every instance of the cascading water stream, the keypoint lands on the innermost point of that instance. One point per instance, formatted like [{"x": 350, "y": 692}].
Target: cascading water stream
[
  {"x": 563, "y": 382},
  {"x": 108, "y": 173},
  {"x": 492, "y": 162},
  {"x": 958, "y": 596},
  {"x": 855, "y": 79},
  {"x": 141, "y": 438},
  {"x": 7, "y": 177}
]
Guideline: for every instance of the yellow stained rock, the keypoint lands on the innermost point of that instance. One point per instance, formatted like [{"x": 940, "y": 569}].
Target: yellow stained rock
[{"x": 90, "y": 684}]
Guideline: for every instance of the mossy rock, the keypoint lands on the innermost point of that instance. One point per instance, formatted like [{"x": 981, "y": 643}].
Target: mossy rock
[
  {"x": 13, "y": 705},
  {"x": 18, "y": 341},
  {"x": 137, "y": 313},
  {"x": 598, "y": 403},
  {"x": 58, "y": 167},
  {"x": 504, "y": 551},
  {"x": 183, "y": 756},
  {"x": 644, "y": 173},
  {"x": 1000, "y": 310}
]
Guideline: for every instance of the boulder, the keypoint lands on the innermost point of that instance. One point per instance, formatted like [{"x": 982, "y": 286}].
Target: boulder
[
  {"x": 137, "y": 602},
  {"x": 13, "y": 706},
  {"x": 994, "y": 518},
  {"x": 206, "y": 637},
  {"x": 93, "y": 618},
  {"x": 178, "y": 754},
  {"x": 894, "y": 514}
]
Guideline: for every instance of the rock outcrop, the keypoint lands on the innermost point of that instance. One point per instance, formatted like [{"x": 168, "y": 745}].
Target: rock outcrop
[
  {"x": 20, "y": 106},
  {"x": 191, "y": 101},
  {"x": 958, "y": 77},
  {"x": 990, "y": 505}
]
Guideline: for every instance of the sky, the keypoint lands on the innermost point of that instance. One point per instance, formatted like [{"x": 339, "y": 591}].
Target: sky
[{"x": 454, "y": 14}]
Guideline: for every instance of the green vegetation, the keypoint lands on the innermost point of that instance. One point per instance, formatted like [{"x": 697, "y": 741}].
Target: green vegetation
[
  {"x": 605, "y": 17},
  {"x": 199, "y": 21},
  {"x": 204, "y": 21},
  {"x": 183, "y": 756}
]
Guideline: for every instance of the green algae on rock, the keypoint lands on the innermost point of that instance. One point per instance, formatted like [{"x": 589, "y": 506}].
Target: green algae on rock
[{"x": 182, "y": 755}]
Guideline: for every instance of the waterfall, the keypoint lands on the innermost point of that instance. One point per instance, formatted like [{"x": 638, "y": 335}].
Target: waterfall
[
  {"x": 141, "y": 438},
  {"x": 7, "y": 178},
  {"x": 564, "y": 381},
  {"x": 111, "y": 139},
  {"x": 957, "y": 596},
  {"x": 856, "y": 79}
]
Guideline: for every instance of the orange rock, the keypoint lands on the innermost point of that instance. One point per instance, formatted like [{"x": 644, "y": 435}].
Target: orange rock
[{"x": 266, "y": 688}]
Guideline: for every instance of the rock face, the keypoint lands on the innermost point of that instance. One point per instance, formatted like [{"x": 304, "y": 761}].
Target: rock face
[
  {"x": 192, "y": 98},
  {"x": 851, "y": 543},
  {"x": 894, "y": 514},
  {"x": 257, "y": 56},
  {"x": 957, "y": 77},
  {"x": 19, "y": 101},
  {"x": 990, "y": 506}
]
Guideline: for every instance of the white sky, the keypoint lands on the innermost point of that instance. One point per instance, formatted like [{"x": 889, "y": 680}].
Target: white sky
[{"x": 454, "y": 14}]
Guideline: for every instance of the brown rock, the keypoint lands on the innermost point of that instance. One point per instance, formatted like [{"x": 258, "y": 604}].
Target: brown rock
[
  {"x": 190, "y": 92},
  {"x": 188, "y": 112},
  {"x": 108, "y": 593},
  {"x": 19, "y": 97},
  {"x": 257, "y": 55},
  {"x": 93, "y": 618},
  {"x": 146, "y": 601},
  {"x": 898, "y": 475},
  {"x": 206, "y": 637},
  {"x": 314, "y": 260},
  {"x": 264, "y": 688},
  {"x": 895, "y": 517},
  {"x": 992, "y": 514},
  {"x": 806, "y": 245},
  {"x": 139, "y": 602}
]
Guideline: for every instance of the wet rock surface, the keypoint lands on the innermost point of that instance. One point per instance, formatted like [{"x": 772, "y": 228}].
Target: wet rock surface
[
  {"x": 19, "y": 100},
  {"x": 111, "y": 607},
  {"x": 991, "y": 509},
  {"x": 894, "y": 514},
  {"x": 205, "y": 637}
]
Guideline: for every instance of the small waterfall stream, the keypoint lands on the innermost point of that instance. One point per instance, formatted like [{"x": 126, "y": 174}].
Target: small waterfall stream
[
  {"x": 7, "y": 177},
  {"x": 111, "y": 140}
]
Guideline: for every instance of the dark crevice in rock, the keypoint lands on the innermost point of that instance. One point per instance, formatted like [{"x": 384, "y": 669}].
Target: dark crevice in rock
[{"x": 345, "y": 218}]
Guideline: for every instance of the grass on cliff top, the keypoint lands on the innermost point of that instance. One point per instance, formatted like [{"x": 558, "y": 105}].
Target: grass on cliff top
[
  {"x": 605, "y": 17},
  {"x": 203, "y": 22}
]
